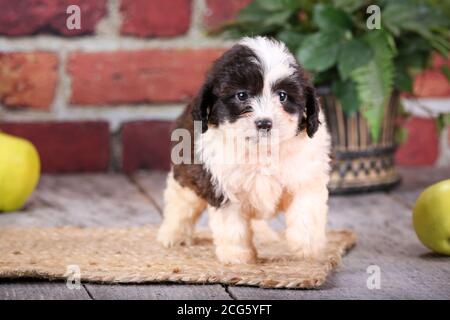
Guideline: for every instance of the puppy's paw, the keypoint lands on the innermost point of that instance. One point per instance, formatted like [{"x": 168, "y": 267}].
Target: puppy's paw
[
  {"x": 170, "y": 237},
  {"x": 236, "y": 254},
  {"x": 314, "y": 252},
  {"x": 306, "y": 245}
]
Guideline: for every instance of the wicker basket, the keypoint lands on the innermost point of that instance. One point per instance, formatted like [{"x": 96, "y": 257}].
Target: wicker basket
[{"x": 358, "y": 163}]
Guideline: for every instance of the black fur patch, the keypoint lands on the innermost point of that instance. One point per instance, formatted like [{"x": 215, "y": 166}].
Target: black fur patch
[
  {"x": 293, "y": 86},
  {"x": 301, "y": 100},
  {"x": 194, "y": 176},
  {"x": 237, "y": 70}
]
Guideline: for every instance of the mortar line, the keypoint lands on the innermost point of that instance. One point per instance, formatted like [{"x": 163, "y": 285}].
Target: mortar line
[{"x": 110, "y": 24}]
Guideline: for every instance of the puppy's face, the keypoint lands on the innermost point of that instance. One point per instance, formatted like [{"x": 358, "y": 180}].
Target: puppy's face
[{"x": 256, "y": 88}]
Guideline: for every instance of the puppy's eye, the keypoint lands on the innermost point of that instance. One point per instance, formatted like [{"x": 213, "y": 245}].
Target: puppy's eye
[
  {"x": 282, "y": 95},
  {"x": 242, "y": 95}
]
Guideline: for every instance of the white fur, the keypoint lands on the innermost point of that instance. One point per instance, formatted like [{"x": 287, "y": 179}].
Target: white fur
[
  {"x": 276, "y": 59},
  {"x": 302, "y": 161},
  {"x": 277, "y": 63}
]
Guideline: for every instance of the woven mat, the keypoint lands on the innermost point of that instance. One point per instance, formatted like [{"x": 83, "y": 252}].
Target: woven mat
[{"x": 131, "y": 255}]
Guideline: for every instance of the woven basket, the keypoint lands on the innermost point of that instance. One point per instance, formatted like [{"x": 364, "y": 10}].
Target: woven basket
[{"x": 358, "y": 163}]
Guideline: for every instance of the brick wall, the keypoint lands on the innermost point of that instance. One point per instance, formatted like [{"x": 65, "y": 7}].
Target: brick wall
[{"x": 103, "y": 96}]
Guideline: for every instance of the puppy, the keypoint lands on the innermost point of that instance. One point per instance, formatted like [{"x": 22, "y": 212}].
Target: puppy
[{"x": 257, "y": 94}]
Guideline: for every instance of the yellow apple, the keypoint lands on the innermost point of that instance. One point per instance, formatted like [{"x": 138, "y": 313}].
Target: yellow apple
[
  {"x": 19, "y": 171},
  {"x": 431, "y": 217}
]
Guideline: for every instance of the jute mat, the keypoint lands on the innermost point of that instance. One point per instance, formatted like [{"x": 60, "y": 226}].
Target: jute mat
[{"x": 132, "y": 255}]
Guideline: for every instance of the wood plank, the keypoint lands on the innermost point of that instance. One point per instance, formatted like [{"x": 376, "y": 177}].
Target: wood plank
[
  {"x": 85, "y": 200},
  {"x": 37, "y": 290},
  {"x": 157, "y": 292},
  {"x": 153, "y": 184},
  {"x": 386, "y": 239},
  {"x": 415, "y": 180}
]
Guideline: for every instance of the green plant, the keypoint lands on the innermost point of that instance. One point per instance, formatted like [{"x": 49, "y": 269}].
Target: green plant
[
  {"x": 332, "y": 40},
  {"x": 443, "y": 120}
]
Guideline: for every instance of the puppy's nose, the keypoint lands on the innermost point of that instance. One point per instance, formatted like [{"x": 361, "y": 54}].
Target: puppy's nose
[{"x": 263, "y": 124}]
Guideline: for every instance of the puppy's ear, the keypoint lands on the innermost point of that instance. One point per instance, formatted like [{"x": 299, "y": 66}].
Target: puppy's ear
[
  {"x": 311, "y": 122},
  {"x": 203, "y": 103}
]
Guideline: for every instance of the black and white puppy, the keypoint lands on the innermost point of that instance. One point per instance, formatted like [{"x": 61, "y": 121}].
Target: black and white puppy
[{"x": 256, "y": 90}]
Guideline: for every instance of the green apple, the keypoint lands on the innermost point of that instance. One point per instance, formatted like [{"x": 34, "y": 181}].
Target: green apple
[
  {"x": 431, "y": 217},
  {"x": 19, "y": 171}
]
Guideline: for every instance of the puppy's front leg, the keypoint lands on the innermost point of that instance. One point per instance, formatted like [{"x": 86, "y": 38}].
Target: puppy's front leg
[
  {"x": 306, "y": 219},
  {"x": 232, "y": 234},
  {"x": 181, "y": 211}
]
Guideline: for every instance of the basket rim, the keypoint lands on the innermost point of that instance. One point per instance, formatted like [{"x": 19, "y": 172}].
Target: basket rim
[
  {"x": 371, "y": 151},
  {"x": 364, "y": 189}
]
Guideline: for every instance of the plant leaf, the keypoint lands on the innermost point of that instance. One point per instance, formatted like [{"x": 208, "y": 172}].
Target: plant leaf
[
  {"x": 277, "y": 18},
  {"x": 290, "y": 4},
  {"x": 253, "y": 13},
  {"x": 374, "y": 81},
  {"x": 446, "y": 71},
  {"x": 349, "y": 5},
  {"x": 271, "y": 5},
  {"x": 403, "y": 80},
  {"x": 347, "y": 95},
  {"x": 291, "y": 38},
  {"x": 325, "y": 78},
  {"x": 319, "y": 51},
  {"x": 401, "y": 135},
  {"x": 256, "y": 19},
  {"x": 328, "y": 17},
  {"x": 352, "y": 55},
  {"x": 443, "y": 120},
  {"x": 418, "y": 17}
]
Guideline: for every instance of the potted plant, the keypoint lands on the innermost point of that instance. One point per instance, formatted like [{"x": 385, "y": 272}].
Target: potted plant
[{"x": 361, "y": 55}]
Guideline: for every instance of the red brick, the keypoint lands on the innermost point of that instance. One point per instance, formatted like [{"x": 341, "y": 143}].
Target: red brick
[
  {"x": 138, "y": 76},
  {"x": 66, "y": 146},
  {"x": 155, "y": 18},
  {"x": 422, "y": 145},
  {"x": 431, "y": 83},
  {"x": 28, "y": 79},
  {"x": 19, "y": 18},
  {"x": 439, "y": 61},
  {"x": 220, "y": 12},
  {"x": 146, "y": 145}
]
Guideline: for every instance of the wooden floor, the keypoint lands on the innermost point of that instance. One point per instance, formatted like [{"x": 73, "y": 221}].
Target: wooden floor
[{"x": 382, "y": 222}]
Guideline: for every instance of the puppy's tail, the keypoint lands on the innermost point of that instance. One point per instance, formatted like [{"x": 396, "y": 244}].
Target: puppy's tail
[{"x": 263, "y": 232}]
